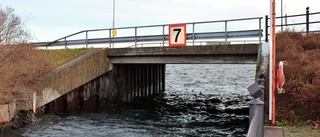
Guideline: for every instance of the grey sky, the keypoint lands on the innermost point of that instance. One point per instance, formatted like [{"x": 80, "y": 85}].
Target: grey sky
[{"x": 52, "y": 19}]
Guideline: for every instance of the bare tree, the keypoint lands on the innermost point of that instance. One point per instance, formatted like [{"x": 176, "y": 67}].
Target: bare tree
[{"x": 12, "y": 29}]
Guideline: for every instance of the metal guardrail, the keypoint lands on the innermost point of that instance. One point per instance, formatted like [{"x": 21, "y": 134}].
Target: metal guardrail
[
  {"x": 254, "y": 33},
  {"x": 307, "y": 22}
]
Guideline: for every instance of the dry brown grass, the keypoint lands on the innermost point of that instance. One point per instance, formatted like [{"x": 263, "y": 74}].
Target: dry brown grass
[
  {"x": 20, "y": 65},
  {"x": 302, "y": 97}
]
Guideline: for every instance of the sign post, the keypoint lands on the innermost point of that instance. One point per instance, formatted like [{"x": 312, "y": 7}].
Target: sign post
[{"x": 177, "y": 35}]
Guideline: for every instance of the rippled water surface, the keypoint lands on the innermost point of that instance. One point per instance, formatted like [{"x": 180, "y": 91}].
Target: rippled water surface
[{"x": 200, "y": 100}]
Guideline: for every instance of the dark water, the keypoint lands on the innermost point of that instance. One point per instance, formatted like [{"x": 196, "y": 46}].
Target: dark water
[{"x": 200, "y": 100}]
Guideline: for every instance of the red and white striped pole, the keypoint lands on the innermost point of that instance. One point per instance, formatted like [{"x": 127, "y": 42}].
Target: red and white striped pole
[{"x": 272, "y": 65}]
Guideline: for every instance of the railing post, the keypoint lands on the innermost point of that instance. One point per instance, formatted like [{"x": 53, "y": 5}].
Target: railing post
[
  {"x": 135, "y": 36},
  {"x": 225, "y": 32},
  {"x": 307, "y": 20},
  {"x": 286, "y": 20},
  {"x": 163, "y": 36},
  {"x": 266, "y": 31},
  {"x": 65, "y": 43},
  {"x": 260, "y": 33},
  {"x": 193, "y": 35},
  {"x": 110, "y": 38},
  {"x": 86, "y": 39}
]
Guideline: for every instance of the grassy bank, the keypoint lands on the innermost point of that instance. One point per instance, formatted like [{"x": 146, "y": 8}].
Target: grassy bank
[
  {"x": 62, "y": 56},
  {"x": 21, "y": 65}
]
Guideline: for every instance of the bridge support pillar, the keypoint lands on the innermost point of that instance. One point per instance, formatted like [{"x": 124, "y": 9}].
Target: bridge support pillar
[{"x": 138, "y": 80}]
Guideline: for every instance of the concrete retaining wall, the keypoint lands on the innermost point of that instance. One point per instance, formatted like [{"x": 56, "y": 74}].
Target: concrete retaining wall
[
  {"x": 69, "y": 77},
  {"x": 123, "y": 84}
]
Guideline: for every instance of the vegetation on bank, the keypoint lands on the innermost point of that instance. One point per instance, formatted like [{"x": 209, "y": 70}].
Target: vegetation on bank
[
  {"x": 62, "y": 56},
  {"x": 21, "y": 63},
  {"x": 300, "y": 104}
]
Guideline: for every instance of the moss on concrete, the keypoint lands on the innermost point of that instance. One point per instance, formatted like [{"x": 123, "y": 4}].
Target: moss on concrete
[{"x": 62, "y": 56}]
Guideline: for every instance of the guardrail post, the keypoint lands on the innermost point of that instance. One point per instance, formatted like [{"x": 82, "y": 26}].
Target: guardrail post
[
  {"x": 163, "y": 37},
  {"x": 65, "y": 43},
  {"x": 225, "y": 32},
  {"x": 110, "y": 38},
  {"x": 135, "y": 36},
  {"x": 260, "y": 33},
  {"x": 256, "y": 106},
  {"x": 86, "y": 39},
  {"x": 193, "y": 35},
  {"x": 266, "y": 31},
  {"x": 307, "y": 20}
]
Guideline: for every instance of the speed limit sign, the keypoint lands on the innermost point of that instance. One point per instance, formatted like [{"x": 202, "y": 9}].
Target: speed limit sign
[{"x": 177, "y": 35}]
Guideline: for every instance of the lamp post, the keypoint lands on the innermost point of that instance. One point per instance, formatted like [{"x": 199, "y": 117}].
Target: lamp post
[
  {"x": 281, "y": 15},
  {"x": 113, "y": 20},
  {"x": 114, "y": 14}
]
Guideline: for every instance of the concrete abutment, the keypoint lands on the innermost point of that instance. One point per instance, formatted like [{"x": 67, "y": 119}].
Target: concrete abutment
[{"x": 124, "y": 83}]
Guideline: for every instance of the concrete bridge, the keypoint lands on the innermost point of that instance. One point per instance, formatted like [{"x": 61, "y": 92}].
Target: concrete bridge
[{"x": 106, "y": 76}]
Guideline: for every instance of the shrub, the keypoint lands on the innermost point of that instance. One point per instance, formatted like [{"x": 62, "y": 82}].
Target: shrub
[
  {"x": 20, "y": 65},
  {"x": 302, "y": 97}
]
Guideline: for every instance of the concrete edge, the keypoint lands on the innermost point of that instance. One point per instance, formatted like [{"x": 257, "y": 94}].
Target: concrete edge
[
  {"x": 72, "y": 62},
  {"x": 273, "y": 131}
]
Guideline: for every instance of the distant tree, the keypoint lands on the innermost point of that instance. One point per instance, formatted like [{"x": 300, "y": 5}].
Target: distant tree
[{"x": 12, "y": 29}]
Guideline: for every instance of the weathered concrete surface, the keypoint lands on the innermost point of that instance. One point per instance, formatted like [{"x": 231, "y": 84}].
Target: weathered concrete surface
[
  {"x": 273, "y": 131},
  {"x": 70, "y": 76},
  {"x": 123, "y": 84},
  {"x": 213, "y": 54}
]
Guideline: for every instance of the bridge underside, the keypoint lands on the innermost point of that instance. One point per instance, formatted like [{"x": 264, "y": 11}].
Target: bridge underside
[
  {"x": 201, "y": 59},
  {"x": 213, "y": 54}
]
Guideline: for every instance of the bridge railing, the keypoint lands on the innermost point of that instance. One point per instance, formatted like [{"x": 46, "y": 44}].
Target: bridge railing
[
  {"x": 192, "y": 36},
  {"x": 299, "y": 21}
]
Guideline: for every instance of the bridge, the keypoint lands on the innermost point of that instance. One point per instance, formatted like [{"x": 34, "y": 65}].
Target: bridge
[{"x": 133, "y": 66}]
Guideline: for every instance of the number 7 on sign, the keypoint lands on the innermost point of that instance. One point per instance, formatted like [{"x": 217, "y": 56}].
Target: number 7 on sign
[{"x": 177, "y": 35}]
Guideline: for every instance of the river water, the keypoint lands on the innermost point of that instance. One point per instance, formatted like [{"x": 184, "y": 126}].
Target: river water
[{"x": 200, "y": 100}]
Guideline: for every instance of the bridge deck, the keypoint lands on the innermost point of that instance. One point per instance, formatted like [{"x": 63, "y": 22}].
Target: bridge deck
[{"x": 212, "y": 54}]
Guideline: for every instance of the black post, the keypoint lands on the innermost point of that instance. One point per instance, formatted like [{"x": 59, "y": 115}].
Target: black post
[
  {"x": 307, "y": 20},
  {"x": 266, "y": 31}
]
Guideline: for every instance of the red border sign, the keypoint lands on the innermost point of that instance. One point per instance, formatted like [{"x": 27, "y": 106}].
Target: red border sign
[{"x": 177, "y": 35}]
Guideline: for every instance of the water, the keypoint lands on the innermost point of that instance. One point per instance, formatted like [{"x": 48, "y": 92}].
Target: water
[{"x": 200, "y": 100}]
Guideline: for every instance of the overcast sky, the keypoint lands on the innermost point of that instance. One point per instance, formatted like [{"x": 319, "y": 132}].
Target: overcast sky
[{"x": 48, "y": 20}]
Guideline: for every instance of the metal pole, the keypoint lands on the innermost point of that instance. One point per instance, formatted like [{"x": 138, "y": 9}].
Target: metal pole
[
  {"x": 273, "y": 62},
  {"x": 110, "y": 38},
  {"x": 281, "y": 15},
  {"x": 307, "y": 20},
  {"x": 135, "y": 36},
  {"x": 225, "y": 32},
  {"x": 65, "y": 43},
  {"x": 86, "y": 39},
  {"x": 114, "y": 16},
  {"x": 193, "y": 35},
  {"x": 270, "y": 63},
  {"x": 163, "y": 36},
  {"x": 266, "y": 29},
  {"x": 260, "y": 31}
]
